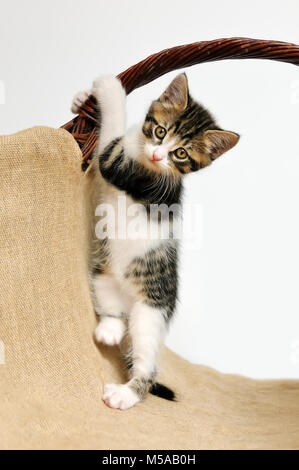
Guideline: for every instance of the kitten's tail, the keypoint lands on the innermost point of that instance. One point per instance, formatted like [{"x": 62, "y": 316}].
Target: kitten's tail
[
  {"x": 157, "y": 389},
  {"x": 162, "y": 391}
]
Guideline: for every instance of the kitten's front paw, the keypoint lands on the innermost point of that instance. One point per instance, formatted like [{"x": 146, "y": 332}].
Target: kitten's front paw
[
  {"x": 108, "y": 88},
  {"x": 110, "y": 331},
  {"x": 78, "y": 100},
  {"x": 120, "y": 397}
]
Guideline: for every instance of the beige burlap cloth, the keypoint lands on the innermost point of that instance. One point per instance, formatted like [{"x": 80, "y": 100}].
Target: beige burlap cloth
[{"x": 52, "y": 372}]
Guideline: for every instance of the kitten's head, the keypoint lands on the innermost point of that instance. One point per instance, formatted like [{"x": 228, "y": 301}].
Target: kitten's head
[{"x": 180, "y": 135}]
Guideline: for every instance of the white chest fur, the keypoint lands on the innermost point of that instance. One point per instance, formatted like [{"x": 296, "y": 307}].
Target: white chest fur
[{"x": 127, "y": 227}]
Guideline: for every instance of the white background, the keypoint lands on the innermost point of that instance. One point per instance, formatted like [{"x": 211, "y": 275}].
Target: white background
[{"x": 239, "y": 292}]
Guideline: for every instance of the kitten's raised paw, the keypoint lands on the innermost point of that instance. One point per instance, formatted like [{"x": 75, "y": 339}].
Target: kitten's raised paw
[
  {"x": 78, "y": 100},
  {"x": 110, "y": 331},
  {"x": 120, "y": 397},
  {"x": 107, "y": 88}
]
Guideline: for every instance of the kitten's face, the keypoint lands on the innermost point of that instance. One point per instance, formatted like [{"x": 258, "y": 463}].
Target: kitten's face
[{"x": 179, "y": 135}]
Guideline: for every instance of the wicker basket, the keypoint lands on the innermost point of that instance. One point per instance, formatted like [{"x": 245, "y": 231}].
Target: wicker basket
[{"x": 83, "y": 126}]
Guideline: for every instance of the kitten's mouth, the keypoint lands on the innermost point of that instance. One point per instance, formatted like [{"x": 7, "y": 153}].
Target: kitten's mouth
[
  {"x": 156, "y": 157},
  {"x": 154, "y": 163}
]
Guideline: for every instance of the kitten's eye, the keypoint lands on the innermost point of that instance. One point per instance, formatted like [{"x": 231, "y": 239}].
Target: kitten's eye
[
  {"x": 160, "y": 132},
  {"x": 181, "y": 153}
]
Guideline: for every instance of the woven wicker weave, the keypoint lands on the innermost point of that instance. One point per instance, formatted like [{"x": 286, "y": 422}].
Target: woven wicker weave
[{"x": 83, "y": 127}]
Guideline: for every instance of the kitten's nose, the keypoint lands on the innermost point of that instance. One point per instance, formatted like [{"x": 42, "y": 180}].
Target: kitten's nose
[{"x": 157, "y": 155}]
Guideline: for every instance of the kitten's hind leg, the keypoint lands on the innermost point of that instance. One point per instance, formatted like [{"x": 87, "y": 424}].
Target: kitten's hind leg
[
  {"x": 147, "y": 329},
  {"x": 110, "y": 330},
  {"x": 110, "y": 305}
]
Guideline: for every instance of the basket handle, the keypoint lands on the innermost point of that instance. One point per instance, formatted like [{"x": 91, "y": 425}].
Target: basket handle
[{"x": 83, "y": 126}]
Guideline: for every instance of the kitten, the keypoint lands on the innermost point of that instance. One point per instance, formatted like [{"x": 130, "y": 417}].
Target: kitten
[{"x": 134, "y": 281}]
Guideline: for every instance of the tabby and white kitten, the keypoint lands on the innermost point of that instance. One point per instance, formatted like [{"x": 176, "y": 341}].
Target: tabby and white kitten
[{"x": 134, "y": 282}]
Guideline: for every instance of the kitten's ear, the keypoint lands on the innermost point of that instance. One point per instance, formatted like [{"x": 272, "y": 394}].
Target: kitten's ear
[
  {"x": 176, "y": 94},
  {"x": 219, "y": 142}
]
